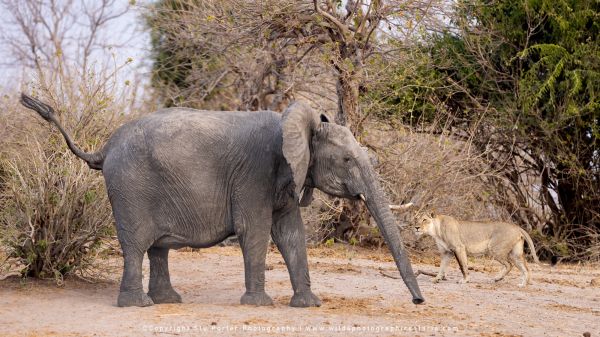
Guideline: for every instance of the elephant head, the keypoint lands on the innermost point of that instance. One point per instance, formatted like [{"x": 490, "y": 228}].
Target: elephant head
[{"x": 326, "y": 156}]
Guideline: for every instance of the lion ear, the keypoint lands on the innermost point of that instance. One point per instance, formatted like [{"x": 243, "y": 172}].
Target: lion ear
[{"x": 426, "y": 215}]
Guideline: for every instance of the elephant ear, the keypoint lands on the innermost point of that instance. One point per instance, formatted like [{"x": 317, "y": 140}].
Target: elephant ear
[{"x": 298, "y": 122}]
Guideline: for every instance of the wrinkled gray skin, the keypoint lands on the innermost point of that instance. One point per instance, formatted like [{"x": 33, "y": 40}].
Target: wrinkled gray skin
[{"x": 181, "y": 177}]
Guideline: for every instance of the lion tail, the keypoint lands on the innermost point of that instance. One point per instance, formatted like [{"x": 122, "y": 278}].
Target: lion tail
[{"x": 531, "y": 246}]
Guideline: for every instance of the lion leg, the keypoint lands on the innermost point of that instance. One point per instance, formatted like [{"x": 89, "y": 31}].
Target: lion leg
[
  {"x": 446, "y": 256},
  {"x": 461, "y": 257},
  {"x": 506, "y": 268},
  {"x": 518, "y": 259}
]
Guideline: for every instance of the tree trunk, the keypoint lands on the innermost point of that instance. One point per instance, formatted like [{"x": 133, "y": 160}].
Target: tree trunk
[
  {"x": 348, "y": 114},
  {"x": 348, "y": 109},
  {"x": 349, "y": 78}
]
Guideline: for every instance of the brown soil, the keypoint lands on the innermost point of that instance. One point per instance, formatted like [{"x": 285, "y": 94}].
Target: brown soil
[{"x": 357, "y": 300}]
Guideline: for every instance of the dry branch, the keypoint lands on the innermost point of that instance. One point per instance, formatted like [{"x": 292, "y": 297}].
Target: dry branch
[
  {"x": 428, "y": 273},
  {"x": 419, "y": 272}
]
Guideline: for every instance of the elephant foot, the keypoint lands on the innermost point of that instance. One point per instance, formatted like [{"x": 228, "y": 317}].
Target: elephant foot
[
  {"x": 166, "y": 295},
  {"x": 134, "y": 298},
  {"x": 259, "y": 299},
  {"x": 305, "y": 299}
]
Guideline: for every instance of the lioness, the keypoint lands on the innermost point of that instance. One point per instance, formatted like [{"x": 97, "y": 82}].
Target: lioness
[{"x": 501, "y": 240}]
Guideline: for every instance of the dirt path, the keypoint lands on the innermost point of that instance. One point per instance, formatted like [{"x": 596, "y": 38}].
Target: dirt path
[{"x": 357, "y": 300}]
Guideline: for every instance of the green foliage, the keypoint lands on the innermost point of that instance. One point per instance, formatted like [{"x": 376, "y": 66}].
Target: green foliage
[
  {"x": 330, "y": 242},
  {"x": 405, "y": 92},
  {"x": 170, "y": 68}
]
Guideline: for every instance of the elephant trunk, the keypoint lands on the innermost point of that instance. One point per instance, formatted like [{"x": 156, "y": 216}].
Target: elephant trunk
[{"x": 378, "y": 206}]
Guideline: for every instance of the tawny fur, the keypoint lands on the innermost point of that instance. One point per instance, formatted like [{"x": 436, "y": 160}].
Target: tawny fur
[{"x": 500, "y": 240}]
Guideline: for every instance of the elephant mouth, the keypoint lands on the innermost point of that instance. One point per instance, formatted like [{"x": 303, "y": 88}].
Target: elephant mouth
[{"x": 349, "y": 192}]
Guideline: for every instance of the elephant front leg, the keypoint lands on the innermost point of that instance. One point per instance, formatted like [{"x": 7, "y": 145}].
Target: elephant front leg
[
  {"x": 288, "y": 234},
  {"x": 159, "y": 287},
  {"x": 255, "y": 253},
  {"x": 253, "y": 234}
]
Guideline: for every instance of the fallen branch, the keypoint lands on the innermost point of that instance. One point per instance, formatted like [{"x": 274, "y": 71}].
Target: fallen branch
[
  {"x": 428, "y": 273},
  {"x": 11, "y": 267},
  {"x": 419, "y": 272},
  {"x": 388, "y": 275}
]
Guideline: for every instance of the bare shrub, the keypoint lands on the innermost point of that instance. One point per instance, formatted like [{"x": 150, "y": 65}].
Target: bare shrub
[
  {"x": 435, "y": 172},
  {"x": 322, "y": 218},
  {"x": 54, "y": 211}
]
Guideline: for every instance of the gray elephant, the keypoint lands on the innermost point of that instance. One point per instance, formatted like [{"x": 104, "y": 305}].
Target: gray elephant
[{"x": 182, "y": 177}]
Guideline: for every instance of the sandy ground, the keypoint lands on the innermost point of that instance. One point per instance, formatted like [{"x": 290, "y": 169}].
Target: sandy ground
[{"x": 357, "y": 300}]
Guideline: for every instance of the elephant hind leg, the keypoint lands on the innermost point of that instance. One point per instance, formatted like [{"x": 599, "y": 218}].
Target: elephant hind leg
[
  {"x": 159, "y": 288},
  {"x": 132, "y": 291},
  {"x": 134, "y": 242}
]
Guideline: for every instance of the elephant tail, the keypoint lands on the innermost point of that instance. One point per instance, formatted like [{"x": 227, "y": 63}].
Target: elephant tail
[
  {"x": 530, "y": 243},
  {"x": 94, "y": 160}
]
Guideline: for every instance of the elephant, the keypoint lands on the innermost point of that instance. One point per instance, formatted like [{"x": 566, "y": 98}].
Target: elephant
[{"x": 181, "y": 177}]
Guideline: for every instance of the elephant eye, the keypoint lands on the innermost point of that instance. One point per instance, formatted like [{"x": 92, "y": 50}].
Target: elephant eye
[{"x": 347, "y": 159}]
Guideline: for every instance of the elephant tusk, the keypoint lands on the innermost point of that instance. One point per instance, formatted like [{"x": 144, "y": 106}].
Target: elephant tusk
[
  {"x": 401, "y": 207},
  {"x": 362, "y": 196}
]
